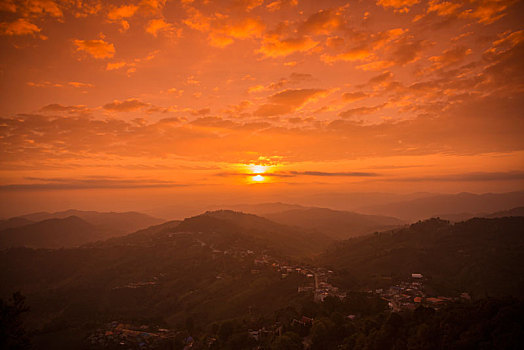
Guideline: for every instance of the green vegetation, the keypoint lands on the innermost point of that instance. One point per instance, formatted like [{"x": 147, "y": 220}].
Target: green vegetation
[{"x": 480, "y": 256}]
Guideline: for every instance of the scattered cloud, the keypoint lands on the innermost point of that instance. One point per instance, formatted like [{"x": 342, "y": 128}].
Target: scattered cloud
[
  {"x": 97, "y": 48},
  {"x": 125, "y": 106},
  {"x": 157, "y": 26},
  {"x": 19, "y": 27},
  {"x": 288, "y": 101}
]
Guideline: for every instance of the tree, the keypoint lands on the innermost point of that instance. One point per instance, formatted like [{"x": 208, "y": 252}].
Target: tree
[{"x": 12, "y": 333}]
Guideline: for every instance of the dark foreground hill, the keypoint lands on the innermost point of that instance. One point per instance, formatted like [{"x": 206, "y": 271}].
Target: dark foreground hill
[
  {"x": 203, "y": 268},
  {"x": 212, "y": 277},
  {"x": 480, "y": 256}
]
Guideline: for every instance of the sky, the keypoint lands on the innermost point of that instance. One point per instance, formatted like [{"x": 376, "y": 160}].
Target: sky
[{"x": 149, "y": 103}]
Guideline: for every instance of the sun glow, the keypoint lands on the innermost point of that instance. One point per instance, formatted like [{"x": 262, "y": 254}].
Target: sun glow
[
  {"x": 258, "y": 178},
  {"x": 258, "y": 169}
]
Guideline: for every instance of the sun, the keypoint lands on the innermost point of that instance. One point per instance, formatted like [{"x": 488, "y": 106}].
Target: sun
[{"x": 258, "y": 178}]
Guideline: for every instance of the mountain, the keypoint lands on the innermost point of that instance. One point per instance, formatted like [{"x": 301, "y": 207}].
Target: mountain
[
  {"x": 519, "y": 211},
  {"x": 51, "y": 233},
  {"x": 334, "y": 223},
  {"x": 281, "y": 239},
  {"x": 434, "y": 206},
  {"x": 210, "y": 268},
  {"x": 14, "y": 222},
  {"x": 480, "y": 256},
  {"x": 264, "y": 208},
  {"x": 125, "y": 222}
]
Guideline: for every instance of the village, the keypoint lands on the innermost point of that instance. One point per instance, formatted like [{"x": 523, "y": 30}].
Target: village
[{"x": 408, "y": 295}]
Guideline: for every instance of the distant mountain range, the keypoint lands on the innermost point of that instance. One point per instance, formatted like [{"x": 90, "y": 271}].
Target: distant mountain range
[
  {"x": 69, "y": 228},
  {"x": 335, "y": 223},
  {"x": 448, "y": 205},
  {"x": 226, "y": 227}
]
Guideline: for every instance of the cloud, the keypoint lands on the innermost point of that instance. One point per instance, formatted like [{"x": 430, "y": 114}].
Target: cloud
[
  {"x": 280, "y": 4},
  {"x": 97, "y": 48},
  {"x": 124, "y": 11},
  {"x": 118, "y": 14},
  {"x": 286, "y": 174},
  {"x": 223, "y": 32},
  {"x": 355, "y": 54},
  {"x": 125, "y": 106},
  {"x": 467, "y": 177},
  {"x": 84, "y": 184},
  {"x": 398, "y": 5},
  {"x": 248, "y": 5},
  {"x": 488, "y": 11},
  {"x": 443, "y": 8},
  {"x": 288, "y": 101},
  {"x": 354, "y": 96},
  {"x": 337, "y": 174},
  {"x": 19, "y": 27},
  {"x": 293, "y": 79},
  {"x": 361, "y": 111},
  {"x": 77, "y": 84},
  {"x": 156, "y": 26},
  {"x": 273, "y": 46},
  {"x": 449, "y": 57},
  {"x": 55, "y": 107},
  {"x": 322, "y": 22},
  {"x": 366, "y": 46},
  {"x": 74, "y": 84}
]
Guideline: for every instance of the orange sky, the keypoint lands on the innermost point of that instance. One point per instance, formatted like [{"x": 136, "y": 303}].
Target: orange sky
[{"x": 115, "y": 104}]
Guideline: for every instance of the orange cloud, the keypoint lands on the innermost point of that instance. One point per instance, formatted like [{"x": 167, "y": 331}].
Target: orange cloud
[
  {"x": 41, "y": 8},
  {"x": 354, "y": 96},
  {"x": 322, "y": 22},
  {"x": 97, "y": 48},
  {"x": 398, "y": 5},
  {"x": 124, "y": 11},
  {"x": 288, "y": 101},
  {"x": 443, "y": 8},
  {"x": 488, "y": 11},
  {"x": 449, "y": 57},
  {"x": 125, "y": 106},
  {"x": 273, "y": 46},
  {"x": 156, "y": 26},
  {"x": 19, "y": 27},
  {"x": 279, "y": 4},
  {"x": 222, "y": 33},
  {"x": 360, "y": 111}
]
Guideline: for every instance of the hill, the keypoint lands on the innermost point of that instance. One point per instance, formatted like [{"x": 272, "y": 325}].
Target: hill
[
  {"x": 442, "y": 205},
  {"x": 264, "y": 208},
  {"x": 480, "y": 256},
  {"x": 334, "y": 223},
  {"x": 519, "y": 211},
  {"x": 280, "y": 239},
  {"x": 125, "y": 222},
  {"x": 51, "y": 233},
  {"x": 14, "y": 222},
  {"x": 209, "y": 268}
]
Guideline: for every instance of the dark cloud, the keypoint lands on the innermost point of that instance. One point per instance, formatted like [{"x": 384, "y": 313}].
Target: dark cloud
[{"x": 78, "y": 184}]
